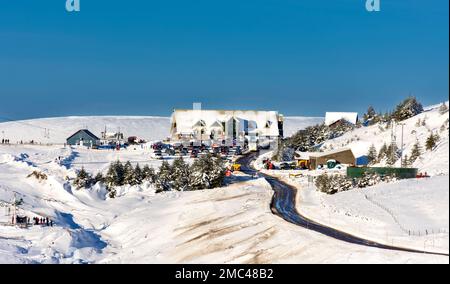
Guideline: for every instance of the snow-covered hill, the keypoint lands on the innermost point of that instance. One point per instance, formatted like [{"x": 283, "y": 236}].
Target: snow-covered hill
[
  {"x": 57, "y": 129},
  {"x": 292, "y": 124},
  {"x": 225, "y": 225},
  {"x": 411, "y": 213},
  {"x": 433, "y": 162},
  {"x": 146, "y": 127}
]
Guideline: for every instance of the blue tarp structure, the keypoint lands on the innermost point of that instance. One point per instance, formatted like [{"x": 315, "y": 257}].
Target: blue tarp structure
[
  {"x": 362, "y": 161},
  {"x": 104, "y": 147},
  {"x": 108, "y": 147}
]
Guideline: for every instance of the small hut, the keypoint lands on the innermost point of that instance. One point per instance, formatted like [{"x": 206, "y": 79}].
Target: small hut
[
  {"x": 342, "y": 156},
  {"x": 83, "y": 137}
]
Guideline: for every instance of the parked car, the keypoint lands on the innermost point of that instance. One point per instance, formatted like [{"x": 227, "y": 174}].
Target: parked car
[
  {"x": 264, "y": 145},
  {"x": 194, "y": 153},
  {"x": 288, "y": 166},
  {"x": 169, "y": 151},
  {"x": 156, "y": 154}
]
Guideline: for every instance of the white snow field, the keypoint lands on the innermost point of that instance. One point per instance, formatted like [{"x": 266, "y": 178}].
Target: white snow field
[
  {"x": 60, "y": 128},
  {"x": 55, "y": 130},
  {"x": 233, "y": 224},
  {"x": 226, "y": 225},
  {"x": 408, "y": 213}
]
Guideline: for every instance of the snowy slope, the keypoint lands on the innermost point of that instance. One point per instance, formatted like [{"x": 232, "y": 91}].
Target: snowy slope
[
  {"x": 146, "y": 127},
  {"x": 410, "y": 213},
  {"x": 227, "y": 225},
  {"x": 292, "y": 124},
  {"x": 433, "y": 162}
]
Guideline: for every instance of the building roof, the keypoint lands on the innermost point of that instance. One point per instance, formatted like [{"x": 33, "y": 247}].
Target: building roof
[
  {"x": 302, "y": 155},
  {"x": 85, "y": 131},
  {"x": 332, "y": 117},
  {"x": 186, "y": 119},
  {"x": 322, "y": 154}
]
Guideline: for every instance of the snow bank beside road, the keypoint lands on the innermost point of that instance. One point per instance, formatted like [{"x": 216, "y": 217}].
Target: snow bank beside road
[{"x": 411, "y": 213}]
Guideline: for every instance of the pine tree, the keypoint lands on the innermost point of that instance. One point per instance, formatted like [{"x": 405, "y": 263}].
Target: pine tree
[
  {"x": 431, "y": 141},
  {"x": 392, "y": 154},
  {"x": 405, "y": 161},
  {"x": 443, "y": 108},
  {"x": 180, "y": 175},
  {"x": 83, "y": 179},
  {"x": 99, "y": 178},
  {"x": 137, "y": 175},
  {"x": 322, "y": 183},
  {"x": 370, "y": 115},
  {"x": 218, "y": 173},
  {"x": 407, "y": 108},
  {"x": 163, "y": 180},
  {"x": 387, "y": 117},
  {"x": 128, "y": 175},
  {"x": 115, "y": 174},
  {"x": 148, "y": 174},
  {"x": 418, "y": 123},
  {"x": 207, "y": 172},
  {"x": 382, "y": 152},
  {"x": 416, "y": 151},
  {"x": 424, "y": 121},
  {"x": 110, "y": 176},
  {"x": 372, "y": 155}
]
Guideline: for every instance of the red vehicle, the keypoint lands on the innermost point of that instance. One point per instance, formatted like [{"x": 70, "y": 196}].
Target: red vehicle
[
  {"x": 422, "y": 175},
  {"x": 194, "y": 154},
  {"x": 268, "y": 164}
]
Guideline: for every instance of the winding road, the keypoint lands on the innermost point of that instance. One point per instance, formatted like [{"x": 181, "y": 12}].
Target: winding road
[{"x": 283, "y": 205}]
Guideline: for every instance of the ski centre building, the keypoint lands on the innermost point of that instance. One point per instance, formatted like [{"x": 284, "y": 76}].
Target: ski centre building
[
  {"x": 83, "y": 137},
  {"x": 225, "y": 127}
]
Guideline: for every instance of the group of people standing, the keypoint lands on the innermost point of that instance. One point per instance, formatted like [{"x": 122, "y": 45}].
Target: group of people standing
[
  {"x": 5, "y": 141},
  {"x": 43, "y": 221}
]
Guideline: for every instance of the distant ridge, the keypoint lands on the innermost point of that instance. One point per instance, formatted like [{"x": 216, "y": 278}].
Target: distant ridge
[{"x": 56, "y": 129}]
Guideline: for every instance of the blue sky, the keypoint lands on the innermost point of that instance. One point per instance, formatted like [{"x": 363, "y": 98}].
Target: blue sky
[{"x": 147, "y": 57}]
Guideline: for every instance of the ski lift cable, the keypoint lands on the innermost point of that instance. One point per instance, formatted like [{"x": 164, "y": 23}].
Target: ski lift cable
[{"x": 6, "y": 119}]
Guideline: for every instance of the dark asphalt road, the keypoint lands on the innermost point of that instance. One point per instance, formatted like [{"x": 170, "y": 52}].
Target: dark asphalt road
[{"x": 283, "y": 205}]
